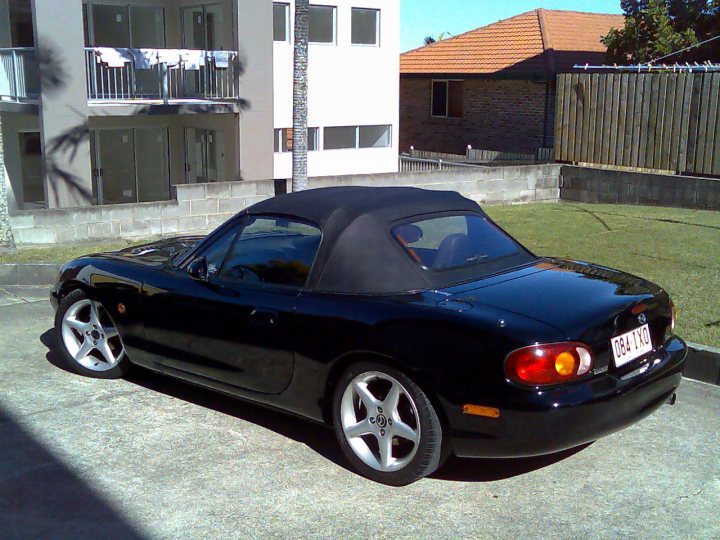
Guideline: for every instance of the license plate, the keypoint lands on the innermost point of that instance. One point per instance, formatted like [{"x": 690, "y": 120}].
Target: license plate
[{"x": 631, "y": 345}]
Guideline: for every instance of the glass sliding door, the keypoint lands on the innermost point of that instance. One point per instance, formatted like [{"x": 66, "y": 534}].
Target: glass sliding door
[
  {"x": 130, "y": 165},
  {"x": 203, "y": 27},
  {"x": 116, "y": 162},
  {"x": 109, "y": 26},
  {"x": 151, "y": 163},
  {"x": 124, "y": 26},
  {"x": 147, "y": 27},
  {"x": 214, "y": 27},
  {"x": 194, "y": 156},
  {"x": 193, "y": 27},
  {"x": 204, "y": 156},
  {"x": 147, "y": 30}
]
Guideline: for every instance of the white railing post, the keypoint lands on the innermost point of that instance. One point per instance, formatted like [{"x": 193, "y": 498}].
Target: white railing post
[{"x": 14, "y": 78}]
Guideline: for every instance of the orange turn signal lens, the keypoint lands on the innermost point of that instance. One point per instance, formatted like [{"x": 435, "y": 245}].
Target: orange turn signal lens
[
  {"x": 481, "y": 410},
  {"x": 564, "y": 364}
]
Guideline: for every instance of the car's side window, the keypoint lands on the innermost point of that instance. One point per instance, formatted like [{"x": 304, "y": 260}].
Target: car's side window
[
  {"x": 272, "y": 250},
  {"x": 215, "y": 253}
]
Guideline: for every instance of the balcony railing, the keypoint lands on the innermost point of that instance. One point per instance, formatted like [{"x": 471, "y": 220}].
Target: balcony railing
[
  {"x": 161, "y": 74},
  {"x": 19, "y": 80}
]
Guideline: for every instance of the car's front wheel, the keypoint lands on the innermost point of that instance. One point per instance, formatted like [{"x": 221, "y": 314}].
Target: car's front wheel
[
  {"x": 386, "y": 425},
  {"x": 89, "y": 341}
]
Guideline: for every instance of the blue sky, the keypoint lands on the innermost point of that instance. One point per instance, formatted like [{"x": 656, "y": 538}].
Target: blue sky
[{"x": 420, "y": 18}]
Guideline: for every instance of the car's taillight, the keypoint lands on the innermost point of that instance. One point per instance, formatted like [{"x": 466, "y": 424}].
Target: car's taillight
[{"x": 550, "y": 363}]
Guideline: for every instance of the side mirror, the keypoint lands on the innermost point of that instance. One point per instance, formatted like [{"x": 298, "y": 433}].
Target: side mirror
[{"x": 198, "y": 269}]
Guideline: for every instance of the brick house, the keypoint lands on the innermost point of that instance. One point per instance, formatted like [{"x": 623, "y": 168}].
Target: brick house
[{"x": 494, "y": 87}]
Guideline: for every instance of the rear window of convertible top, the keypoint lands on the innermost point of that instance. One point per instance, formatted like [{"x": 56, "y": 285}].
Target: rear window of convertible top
[{"x": 447, "y": 242}]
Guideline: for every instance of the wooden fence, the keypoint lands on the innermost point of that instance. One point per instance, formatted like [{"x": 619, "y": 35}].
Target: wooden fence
[{"x": 664, "y": 121}]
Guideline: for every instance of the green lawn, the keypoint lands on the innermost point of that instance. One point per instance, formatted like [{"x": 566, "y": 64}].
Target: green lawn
[
  {"x": 676, "y": 248},
  {"x": 64, "y": 252}
]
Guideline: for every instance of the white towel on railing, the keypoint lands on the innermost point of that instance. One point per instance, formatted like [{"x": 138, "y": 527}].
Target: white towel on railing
[
  {"x": 193, "y": 59},
  {"x": 221, "y": 58},
  {"x": 112, "y": 57},
  {"x": 171, "y": 57}
]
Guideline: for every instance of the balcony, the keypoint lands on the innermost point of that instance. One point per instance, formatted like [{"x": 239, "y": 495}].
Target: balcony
[
  {"x": 19, "y": 79},
  {"x": 179, "y": 78},
  {"x": 161, "y": 75}
]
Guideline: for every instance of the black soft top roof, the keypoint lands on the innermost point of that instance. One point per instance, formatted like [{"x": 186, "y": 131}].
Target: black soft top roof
[{"x": 358, "y": 254}]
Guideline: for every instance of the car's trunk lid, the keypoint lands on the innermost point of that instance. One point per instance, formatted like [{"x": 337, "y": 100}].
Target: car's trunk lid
[{"x": 585, "y": 302}]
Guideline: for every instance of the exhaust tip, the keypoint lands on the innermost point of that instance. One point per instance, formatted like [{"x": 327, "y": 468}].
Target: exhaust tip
[{"x": 672, "y": 399}]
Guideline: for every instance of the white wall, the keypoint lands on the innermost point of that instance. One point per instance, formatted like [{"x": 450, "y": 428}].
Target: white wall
[{"x": 347, "y": 85}]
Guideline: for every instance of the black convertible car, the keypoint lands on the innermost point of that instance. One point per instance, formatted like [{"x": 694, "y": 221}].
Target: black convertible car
[{"x": 405, "y": 318}]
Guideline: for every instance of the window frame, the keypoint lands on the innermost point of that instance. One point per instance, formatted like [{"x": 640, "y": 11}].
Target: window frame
[
  {"x": 286, "y": 6},
  {"x": 334, "y": 41},
  {"x": 377, "y": 27},
  {"x": 447, "y": 98},
  {"x": 278, "y": 138},
  {"x": 357, "y": 137},
  {"x": 240, "y": 227}
]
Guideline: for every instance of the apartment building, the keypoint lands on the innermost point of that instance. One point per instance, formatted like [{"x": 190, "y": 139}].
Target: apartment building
[{"x": 117, "y": 101}]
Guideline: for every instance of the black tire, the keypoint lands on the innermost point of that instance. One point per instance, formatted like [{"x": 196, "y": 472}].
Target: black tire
[
  {"x": 115, "y": 372},
  {"x": 431, "y": 451}
]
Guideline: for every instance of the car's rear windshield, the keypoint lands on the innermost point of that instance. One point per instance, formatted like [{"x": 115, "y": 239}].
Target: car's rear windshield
[{"x": 458, "y": 241}]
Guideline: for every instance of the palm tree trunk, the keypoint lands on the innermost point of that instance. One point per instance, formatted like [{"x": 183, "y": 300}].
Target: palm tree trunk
[
  {"x": 7, "y": 240},
  {"x": 300, "y": 70}
]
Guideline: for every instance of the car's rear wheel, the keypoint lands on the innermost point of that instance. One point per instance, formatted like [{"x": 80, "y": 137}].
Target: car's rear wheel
[
  {"x": 90, "y": 344},
  {"x": 386, "y": 425}
]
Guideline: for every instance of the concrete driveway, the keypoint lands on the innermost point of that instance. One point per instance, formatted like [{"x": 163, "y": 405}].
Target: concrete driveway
[{"x": 153, "y": 458}]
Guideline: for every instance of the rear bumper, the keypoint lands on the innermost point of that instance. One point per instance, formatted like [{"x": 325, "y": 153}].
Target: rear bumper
[{"x": 534, "y": 422}]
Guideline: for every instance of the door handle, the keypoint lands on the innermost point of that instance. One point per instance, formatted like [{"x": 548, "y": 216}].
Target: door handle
[{"x": 264, "y": 317}]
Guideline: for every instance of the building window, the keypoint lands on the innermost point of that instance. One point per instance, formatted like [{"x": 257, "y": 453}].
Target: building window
[
  {"x": 322, "y": 24},
  {"x": 365, "y": 26},
  {"x": 281, "y": 16},
  {"x": 447, "y": 99},
  {"x": 336, "y": 138},
  {"x": 374, "y": 136},
  {"x": 283, "y": 139}
]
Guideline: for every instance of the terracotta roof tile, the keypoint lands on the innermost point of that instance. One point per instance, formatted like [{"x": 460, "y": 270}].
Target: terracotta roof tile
[{"x": 517, "y": 45}]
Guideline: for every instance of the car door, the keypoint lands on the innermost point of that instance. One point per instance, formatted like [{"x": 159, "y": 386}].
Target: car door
[{"x": 234, "y": 324}]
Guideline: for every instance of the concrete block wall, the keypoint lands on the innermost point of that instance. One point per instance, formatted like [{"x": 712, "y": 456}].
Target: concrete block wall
[
  {"x": 200, "y": 208},
  {"x": 596, "y": 185},
  {"x": 486, "y": 185}
]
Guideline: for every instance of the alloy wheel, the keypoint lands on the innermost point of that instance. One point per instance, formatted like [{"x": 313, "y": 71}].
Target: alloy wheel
[
  {"x": 90, "y": 336},
  {"x": 380, "y": 421}
]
